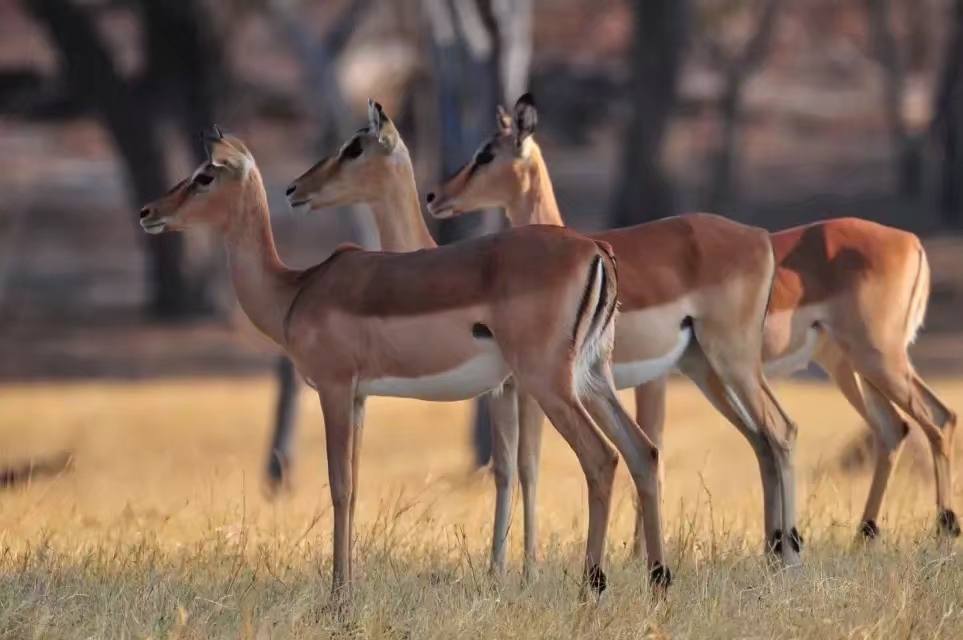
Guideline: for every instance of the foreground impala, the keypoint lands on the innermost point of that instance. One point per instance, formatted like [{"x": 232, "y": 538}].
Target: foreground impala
[
  {"x": 534, "y": 307},
  {"x": 374, "y": 167},
  {"x": 848, "y": 294},
  {"x": 734, "y": 263}
]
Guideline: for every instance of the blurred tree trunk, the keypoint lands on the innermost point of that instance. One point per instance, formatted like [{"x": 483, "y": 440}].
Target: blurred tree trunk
[
  {"x": 907, "y": 147},
  {"x": 948, "y": 124},
  {"x": 481, "y": 51},
  {"x": 129, "y": 111},
  {"x": 644, "y": 192},
  {"x": 318, "y": 61},
  {"x": 737, "y": 69}
]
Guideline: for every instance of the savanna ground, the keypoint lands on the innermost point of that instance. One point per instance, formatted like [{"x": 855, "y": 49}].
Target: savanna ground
[{"x": 161, "y": 528}]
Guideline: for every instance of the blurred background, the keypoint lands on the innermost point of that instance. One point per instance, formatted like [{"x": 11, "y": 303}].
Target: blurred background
[{"x": 772, "y": 112}]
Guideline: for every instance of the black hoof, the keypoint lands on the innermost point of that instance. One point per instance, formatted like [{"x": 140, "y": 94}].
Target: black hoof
[
  {"x": 795, "y": 540},
  {"x": 869, "y": 529},
  {"x": 597, "y": 579},
  {"x": 278, "y": 474},
  {"x": 775, "y": 543},
  {"x": 660, "y": 576},
  {"x": 949, "y": 525}
]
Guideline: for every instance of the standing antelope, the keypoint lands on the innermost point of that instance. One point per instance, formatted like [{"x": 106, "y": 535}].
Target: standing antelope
[
  {"x": 716, "y": 287},
  {"x": 848, "y": 294},
  {"x": 693, "y": 292},
  {"x": 535, "y": 307}
]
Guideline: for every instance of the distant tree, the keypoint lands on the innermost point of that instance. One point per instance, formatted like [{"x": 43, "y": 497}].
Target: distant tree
[
  {"x": 331, "y": 111},
  {"x": 885, "y": 48},
  {"x": 180, "y": 78},
  {"x": 721, "y": 22},
  {"x": 948, "y": 123},
  {"x": 481, "y": 53},
  {"x": 644, "y": 192}
]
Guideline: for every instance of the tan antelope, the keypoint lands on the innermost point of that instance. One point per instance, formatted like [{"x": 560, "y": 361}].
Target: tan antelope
[
  {"x": 534, "y": 306},
  {"x": 693, "y": 294},
  {"x": 365, "y": 171},
  {"x": 848, "y": 294}
]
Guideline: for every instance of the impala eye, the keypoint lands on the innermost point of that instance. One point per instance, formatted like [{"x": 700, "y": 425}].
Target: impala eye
[{"x": 203, "y": 179}]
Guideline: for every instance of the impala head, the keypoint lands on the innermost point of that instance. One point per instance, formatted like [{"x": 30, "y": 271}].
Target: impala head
[
  {"x": 500, "y": 171},
  {"x": 208, "y": 195},
  {"x": 371, "y": 158}
]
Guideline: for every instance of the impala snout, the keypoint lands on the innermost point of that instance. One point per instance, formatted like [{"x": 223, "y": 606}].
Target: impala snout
[
  {"x": 152, "y": 221},
  {"x": 298, "y": 198},
  {"x": 439, "y": 206}
]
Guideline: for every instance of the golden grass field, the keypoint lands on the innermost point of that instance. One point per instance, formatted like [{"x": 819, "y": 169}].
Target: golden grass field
[{"x": 161, "y": 528}]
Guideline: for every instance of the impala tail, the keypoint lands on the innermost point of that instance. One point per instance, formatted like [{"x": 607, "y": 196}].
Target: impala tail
[
  {"x": 919, "y": 297},
  {"x": 595, "y": 324}
]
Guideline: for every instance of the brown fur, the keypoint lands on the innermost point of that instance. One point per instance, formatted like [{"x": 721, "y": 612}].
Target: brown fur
[
  {"x": 405, "y": 322},
  {"x": 697, "y": 270}
]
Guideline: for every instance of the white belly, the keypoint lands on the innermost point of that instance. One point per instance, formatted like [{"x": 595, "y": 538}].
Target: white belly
[
  {"x": 475, "y": 377},
  {"x": 795, "y": 360},
  {"x": 632, "y": 374}
]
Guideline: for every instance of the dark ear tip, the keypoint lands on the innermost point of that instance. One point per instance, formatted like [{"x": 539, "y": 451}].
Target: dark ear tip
[{"x": 526, "y": 99}]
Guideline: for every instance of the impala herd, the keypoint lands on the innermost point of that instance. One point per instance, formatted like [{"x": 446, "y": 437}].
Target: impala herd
[{"x": 549, "y": 321}]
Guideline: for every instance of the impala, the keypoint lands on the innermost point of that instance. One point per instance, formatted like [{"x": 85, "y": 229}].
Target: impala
[
  {"x": 534, "y": 308},
  {"x": 733, "y": 263},
  {"x": 848, "y": 294}
]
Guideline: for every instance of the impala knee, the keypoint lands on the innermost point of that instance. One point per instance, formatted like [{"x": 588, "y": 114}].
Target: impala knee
[
  {"x": 603, "y": 472},
  {"x": 504, "y": 474},
  {"x": 341, "y": 494}
]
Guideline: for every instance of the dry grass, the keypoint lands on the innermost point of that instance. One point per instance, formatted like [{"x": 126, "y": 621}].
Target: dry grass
[{"x": 160, "y": 528}]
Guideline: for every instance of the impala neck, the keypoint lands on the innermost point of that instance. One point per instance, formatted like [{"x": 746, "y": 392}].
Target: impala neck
[
  {"x": 263, "y": 284},
  {"x": 397, "y": 212},
  {"x": 537, "y": 205}
]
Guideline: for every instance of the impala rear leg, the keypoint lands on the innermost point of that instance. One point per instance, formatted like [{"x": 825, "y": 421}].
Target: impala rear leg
[
  {"x": 643, "y": 459},
  {"x": 893, "y": 376},
  {"x": 737, "y": 377},
  {"x": 698, "y": 369},
  {"x": 504, "y": 419},
  {"x": 598, "y": 461},
  {"x": 889, "y": 428},
  {"x": 650, "y": 415},
  {"x": 530, "y": 421}
]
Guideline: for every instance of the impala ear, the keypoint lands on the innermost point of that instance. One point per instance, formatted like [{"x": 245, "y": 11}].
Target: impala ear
[
  {"x": 227, "y": 152},
  {"x": 503, "y": 120},
  {"x": 524, "y": 118},
  {"x": 381, "y": 126}
]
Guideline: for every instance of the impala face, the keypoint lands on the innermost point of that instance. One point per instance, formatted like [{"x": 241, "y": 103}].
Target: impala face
[
  {"x": 498, "y": 173},
  {"x": 206, "y": 197},
  {"x": 374, "y": 155}
]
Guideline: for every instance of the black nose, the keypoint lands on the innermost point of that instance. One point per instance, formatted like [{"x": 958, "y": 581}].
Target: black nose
[
  {"x": 430, "y": 197},
  {"x": 144, "y": 213},
  {"x": 290, "y": 190}
]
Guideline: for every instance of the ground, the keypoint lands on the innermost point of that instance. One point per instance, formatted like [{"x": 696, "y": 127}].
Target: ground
[{"x": 161, "y": 528}]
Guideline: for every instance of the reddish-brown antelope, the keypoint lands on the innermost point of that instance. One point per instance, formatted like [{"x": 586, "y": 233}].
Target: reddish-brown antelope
[
  {"x": 374, "y": 167},
  {"x": 693, "y": 294},
  {"x": 848, "y": 294},
  {"x": 534, "y": 307}
]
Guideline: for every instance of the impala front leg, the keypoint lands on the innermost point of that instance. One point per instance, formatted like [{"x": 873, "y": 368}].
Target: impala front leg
[
  {"x": 530, "y": 423},
  {"x": 504, "y": 419},
  {"x": 357, "y": 421},
  {"x": 337, "y": 405}
]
